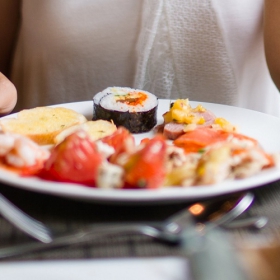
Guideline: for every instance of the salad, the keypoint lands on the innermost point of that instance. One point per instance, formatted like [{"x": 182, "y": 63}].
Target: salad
[{"x": 192, "y": 147}]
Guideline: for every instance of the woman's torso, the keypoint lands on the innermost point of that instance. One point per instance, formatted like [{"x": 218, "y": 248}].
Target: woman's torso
[
  {"x": 204, "y": 50},
  {"x": 70, "y": 50}
]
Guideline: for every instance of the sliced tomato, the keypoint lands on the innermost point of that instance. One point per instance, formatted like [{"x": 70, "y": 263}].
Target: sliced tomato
[
  {"x": 76, "y": 160},
  {"x": 122, "y": 141},
  {"x": 146, "y": 167}
]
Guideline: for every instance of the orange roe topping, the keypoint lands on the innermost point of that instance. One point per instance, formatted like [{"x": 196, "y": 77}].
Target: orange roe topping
[{"x": 132, "y": 98}]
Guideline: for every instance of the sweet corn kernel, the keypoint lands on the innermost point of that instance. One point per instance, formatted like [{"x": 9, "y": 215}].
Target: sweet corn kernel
[
  {"x": 199, "y": 108},
  {"x": 167, "y": 117},
  {"x": 178, "y": 115}
]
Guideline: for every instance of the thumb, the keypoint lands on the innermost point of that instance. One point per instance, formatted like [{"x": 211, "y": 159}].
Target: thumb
[{"x": 8, "y": 95}]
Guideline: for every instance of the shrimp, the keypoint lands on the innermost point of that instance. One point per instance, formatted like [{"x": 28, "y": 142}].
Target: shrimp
[
  {"x": 21, "y": 153},
  {"x": 7, "y": 141}
]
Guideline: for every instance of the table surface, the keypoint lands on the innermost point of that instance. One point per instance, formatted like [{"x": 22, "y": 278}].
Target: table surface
[{"x": 64, "y": 214}]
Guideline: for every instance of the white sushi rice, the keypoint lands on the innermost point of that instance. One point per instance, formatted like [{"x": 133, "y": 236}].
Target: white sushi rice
[{"x": 109, "y": 99}]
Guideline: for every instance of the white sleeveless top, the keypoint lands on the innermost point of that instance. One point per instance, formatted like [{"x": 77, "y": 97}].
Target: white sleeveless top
[{"x": 206, "y": 50}]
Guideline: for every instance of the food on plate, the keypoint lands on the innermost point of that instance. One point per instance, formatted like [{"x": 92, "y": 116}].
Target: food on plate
[
  {"x": 42, "y": 124},
  {"x": 111, "y": 163},
  {"x": 182, "y": 117},
  {"x": 232, "y": 157},
  {"x": 123, "y": 143},
  {"x": 76, "y": 159},
  {"x": 102, "y": 155},
  {"x": 21, "y": 155},
  {"x": 146, "y": 168},
  {"x": 96, "y": 129},
  {"x": 116, "y": 162},
  {"x": 79, "y": 159},
  {"x": 201, "y": 137},
  {"x": 133, "y": 109}
]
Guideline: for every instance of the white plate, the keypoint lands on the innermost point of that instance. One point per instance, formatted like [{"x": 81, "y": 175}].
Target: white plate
[{"x": 264, "y": 128}]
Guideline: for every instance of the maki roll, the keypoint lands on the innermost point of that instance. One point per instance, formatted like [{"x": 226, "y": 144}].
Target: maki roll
[{"x": 133, "y": 109}]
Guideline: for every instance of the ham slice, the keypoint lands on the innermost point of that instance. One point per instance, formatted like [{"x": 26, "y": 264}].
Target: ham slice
[
  {"x": 208, "y": 116},
  {"x": 173, "y": 130}
]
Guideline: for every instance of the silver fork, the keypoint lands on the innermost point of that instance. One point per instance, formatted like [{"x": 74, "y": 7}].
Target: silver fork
[
  {"x": 23, "y": 221},
  {"x": 169, "y": 230}
]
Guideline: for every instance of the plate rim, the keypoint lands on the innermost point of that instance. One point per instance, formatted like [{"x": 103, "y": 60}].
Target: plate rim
[{"x": 162, "y": 195}]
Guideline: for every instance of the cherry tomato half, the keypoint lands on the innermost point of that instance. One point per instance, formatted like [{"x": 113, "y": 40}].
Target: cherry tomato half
[
  {"x": 76, "y": 160},
  {"x": 146, "y": 167}
]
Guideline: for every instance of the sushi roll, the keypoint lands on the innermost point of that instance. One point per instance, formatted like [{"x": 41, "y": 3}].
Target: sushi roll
[{"x": 133, "y": 109}]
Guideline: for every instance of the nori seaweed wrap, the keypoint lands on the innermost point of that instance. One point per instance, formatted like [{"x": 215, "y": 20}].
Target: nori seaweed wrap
[{"x": 133, "y": 109}]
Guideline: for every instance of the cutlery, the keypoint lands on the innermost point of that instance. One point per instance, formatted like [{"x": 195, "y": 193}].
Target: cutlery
[
  {"x": 23, "y": 221},
  {"x": 254, "y": 222},
  {"x": 168, "y": 231}
]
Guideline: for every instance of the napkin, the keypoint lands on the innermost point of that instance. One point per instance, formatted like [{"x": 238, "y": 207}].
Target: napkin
[{"x": 162, "y": 268}]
